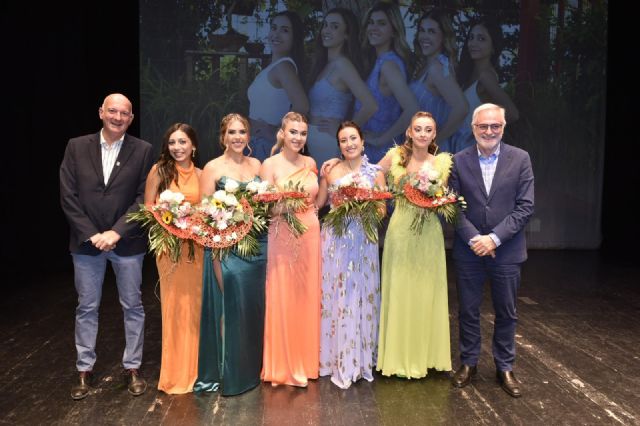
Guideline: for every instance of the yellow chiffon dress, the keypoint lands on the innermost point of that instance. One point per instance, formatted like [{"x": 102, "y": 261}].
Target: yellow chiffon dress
[{"x": 414, "y": 313}]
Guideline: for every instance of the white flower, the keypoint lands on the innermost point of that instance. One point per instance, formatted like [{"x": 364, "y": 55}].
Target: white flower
[
  {"x": 216, "y": 238},
  {"x": 253, "y": 186},
  {"x": 234, "y": 236},
  {"x": 346, "y": 181},
  {"x": 263, "y": 187},
  {"x": 221, "y": 225},
  {"x": 171, "y": 197},
  {"x": 231, "y": 200},
  {"x": 231, "y": 186},
  {"x": 220, "y": 195},
  {"x": 433, "y": 174}
]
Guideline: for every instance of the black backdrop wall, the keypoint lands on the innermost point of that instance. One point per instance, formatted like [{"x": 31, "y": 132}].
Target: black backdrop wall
[{"x": 62, "y": 60}]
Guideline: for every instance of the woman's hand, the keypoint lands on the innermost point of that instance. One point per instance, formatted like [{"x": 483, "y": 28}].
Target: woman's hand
[{"x": 327, "y": 166}]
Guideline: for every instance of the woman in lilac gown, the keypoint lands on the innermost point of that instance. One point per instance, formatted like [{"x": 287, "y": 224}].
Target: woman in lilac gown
[{"x": 350, "y": 275}]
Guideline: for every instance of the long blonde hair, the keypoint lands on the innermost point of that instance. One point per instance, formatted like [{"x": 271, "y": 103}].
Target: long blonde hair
[
  {"x": 288, "y": 117},
  {"x": 224, "y": 125}
]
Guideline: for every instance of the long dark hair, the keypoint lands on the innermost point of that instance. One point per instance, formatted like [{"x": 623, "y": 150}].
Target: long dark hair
[
  {"x": 350, "y": 48},
  {"x": 465, "y": 72},
  {"x": 166, "y": 165},
  {"x": 406, "y": 149},
  {"x": 297, "y": 47}
]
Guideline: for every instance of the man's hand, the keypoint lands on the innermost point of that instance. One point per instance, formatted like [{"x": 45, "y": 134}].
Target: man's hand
[
  {"x": 105, "y": 241},
  {"x": 483, "y": 245}
]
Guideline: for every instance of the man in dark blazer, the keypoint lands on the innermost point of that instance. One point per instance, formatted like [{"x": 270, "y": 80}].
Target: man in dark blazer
[
  {"x": 102, "y": 178},
  {"x": 496, "y": 181}
]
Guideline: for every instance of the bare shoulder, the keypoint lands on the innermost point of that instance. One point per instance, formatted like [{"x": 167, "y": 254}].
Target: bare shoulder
[
  {"x": 488, "y": 76},
  {"x": 283, "y": 69},
  {"x": 254, "y": 162},
  {"x": 253, "y": 165},
  {"x": 343, "y": 64},
  {"x": 390, "y": 68},
  {"x": 310, "y": 162}
]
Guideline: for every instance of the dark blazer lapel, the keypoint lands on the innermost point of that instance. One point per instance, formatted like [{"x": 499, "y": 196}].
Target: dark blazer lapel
[
  {"x": 95, "y": 150},
  {"x": 474, "y": 165},
  {"x": 504, "y": 160},
  {"x": 123, "y": 156}
]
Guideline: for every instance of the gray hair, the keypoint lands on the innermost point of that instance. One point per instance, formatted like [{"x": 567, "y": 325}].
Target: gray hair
[{"x": 488, "y": 106}]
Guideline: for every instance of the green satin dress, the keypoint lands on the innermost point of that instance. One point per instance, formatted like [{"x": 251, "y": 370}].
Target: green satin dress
[{"x": 232, "y": 324}]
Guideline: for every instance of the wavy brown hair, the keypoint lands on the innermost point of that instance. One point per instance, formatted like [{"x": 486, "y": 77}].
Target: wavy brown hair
[
  {"x": 166, "y": 165},
  {"x": 449, "y": 48},
  {"x": 398, "y": 42}
]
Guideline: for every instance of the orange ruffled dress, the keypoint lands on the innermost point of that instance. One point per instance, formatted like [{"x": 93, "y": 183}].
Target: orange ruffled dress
[
  {"x": 181, "y": 299},
  {"x": 292, "y": 318}
]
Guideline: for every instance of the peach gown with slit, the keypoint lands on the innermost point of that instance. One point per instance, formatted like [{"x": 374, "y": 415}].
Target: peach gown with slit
[
  {"x": 180, "y": 302},
  {"x": 292, "y": 317}
]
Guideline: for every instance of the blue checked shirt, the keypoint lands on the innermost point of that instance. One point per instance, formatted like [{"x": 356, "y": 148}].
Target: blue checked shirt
[{"x": 488, "y": 168}]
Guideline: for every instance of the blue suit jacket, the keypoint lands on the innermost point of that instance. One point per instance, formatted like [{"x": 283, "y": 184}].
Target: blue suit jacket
[
  {"x": 504, "y": 211},
  {"x": 91, "y": 206}
]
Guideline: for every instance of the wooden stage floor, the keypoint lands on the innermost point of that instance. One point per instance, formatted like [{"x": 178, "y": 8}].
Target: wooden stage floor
[{"x": 578, "y": 358}]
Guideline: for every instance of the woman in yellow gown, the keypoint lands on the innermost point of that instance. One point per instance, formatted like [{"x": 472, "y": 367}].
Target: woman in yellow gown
[{"x": 414, "y": 314}]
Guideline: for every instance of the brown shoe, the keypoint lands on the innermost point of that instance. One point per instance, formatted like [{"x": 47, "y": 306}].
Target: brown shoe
[
  {"x": 81, "y": 389},
  {"x": 509, "y": 383},
  {"x": 135, "y": 383},
  {"x": 462, "y": 376}
]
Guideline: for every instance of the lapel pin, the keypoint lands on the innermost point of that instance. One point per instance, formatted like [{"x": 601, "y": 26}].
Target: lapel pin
[{"x": 117, "y": 163}]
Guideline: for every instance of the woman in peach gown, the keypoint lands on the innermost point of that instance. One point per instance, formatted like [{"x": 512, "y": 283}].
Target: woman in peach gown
[
  {"x": 292, "y": 319},
  {"x": 181, "y": 282}
]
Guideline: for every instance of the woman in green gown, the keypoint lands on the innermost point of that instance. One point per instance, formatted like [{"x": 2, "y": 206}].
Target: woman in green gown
[
  {"x": 414, "y": 314},
  {"x": 232, "y": 321}
]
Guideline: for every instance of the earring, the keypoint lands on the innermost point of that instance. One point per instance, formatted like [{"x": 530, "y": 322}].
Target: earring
[{"x": 193, "y": 153}]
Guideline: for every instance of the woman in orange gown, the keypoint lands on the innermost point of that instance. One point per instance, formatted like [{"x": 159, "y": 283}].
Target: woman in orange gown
[
  {"x": 181, "y": 282},
  {"x": 292, "y": 318}
]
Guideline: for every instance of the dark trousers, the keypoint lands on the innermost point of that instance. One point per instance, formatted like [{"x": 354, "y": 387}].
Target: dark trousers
[{"x": 504, "y": 281}]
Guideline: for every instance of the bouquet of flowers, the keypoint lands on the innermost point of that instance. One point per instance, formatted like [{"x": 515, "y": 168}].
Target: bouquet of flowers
[
  {"x": 168, "y": 222},
  {"x": 225, "y": 222},
  {"x": 426, "y": 192},
  {"x": 284, "y": 203},
  {"x": 355, "y": 198}
]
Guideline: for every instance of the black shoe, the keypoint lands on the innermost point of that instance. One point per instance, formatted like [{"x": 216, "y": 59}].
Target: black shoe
[
  {"x": 81, "y": 389},
  {"x": 135, "y": 383},
  {"x": 509, "y": 383},
  {"x": 462, "y": 376}
]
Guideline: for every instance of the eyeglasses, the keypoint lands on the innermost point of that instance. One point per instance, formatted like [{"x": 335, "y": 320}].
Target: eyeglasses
[{"x": 496, "y": 127}]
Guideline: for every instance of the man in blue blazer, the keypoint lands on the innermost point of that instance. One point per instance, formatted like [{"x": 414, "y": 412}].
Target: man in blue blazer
[
  {"x": 496, "y": 181},
  {"x": 102, "y": 178}
]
